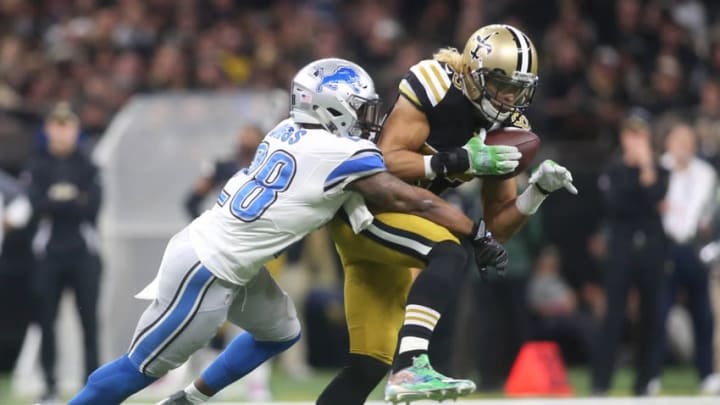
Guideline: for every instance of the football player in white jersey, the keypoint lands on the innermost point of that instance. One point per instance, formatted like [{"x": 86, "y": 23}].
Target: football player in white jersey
[{"x": 304, "y": 171}]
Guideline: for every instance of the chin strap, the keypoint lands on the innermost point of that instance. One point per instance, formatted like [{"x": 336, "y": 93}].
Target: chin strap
[
  {"x": 497, "y": 119},
  {"x": 496, "y": 116}
]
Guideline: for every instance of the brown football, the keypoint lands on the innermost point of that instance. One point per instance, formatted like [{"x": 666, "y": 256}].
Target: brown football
[{"x": 527, "y": 142}]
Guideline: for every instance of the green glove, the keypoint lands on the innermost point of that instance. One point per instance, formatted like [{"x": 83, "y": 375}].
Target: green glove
[{"x": 493, "y": 160}]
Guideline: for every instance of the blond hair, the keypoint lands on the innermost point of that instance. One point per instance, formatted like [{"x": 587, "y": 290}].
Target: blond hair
[{"x": 452, "y": 57}]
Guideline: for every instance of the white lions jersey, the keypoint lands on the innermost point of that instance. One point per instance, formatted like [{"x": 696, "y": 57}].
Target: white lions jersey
[{"x": 294, "y": 185}]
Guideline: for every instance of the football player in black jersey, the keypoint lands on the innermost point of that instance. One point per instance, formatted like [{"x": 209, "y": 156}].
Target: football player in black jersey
[{"x": 434, "y": 135}]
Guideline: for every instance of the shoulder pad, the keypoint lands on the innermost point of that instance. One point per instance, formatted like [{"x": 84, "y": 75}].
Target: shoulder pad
[{"x": 426, "y": 84}]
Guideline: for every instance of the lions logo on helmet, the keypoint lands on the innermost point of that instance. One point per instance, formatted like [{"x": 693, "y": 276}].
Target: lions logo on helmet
[
  {"x": 343, "y": 74},
  {"x": 500, "y": 71}
]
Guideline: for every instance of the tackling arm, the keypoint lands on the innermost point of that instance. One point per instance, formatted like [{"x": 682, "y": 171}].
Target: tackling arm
[{"x": 389, "y": 193}]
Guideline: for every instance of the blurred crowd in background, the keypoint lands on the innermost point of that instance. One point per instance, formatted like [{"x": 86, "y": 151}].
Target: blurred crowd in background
[{"x": 657, "y": 61}]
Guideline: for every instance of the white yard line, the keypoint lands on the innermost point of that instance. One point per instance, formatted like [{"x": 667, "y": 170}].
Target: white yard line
[{"x": 533, "y": 401}]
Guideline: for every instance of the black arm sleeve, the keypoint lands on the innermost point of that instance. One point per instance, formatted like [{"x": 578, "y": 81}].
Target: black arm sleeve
[
  {"x": 89, "y": 204},
  {"x": 37, "y": 187},
  {"x": 656, "y": 192}
]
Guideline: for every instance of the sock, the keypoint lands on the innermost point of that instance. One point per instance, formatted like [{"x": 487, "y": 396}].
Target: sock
[
  {"x": 354, "y": 383},
  {"x": 194, "y": 396},
  {"x": 429, "y": 296},
  {"x": 240, "y": 357},
  {"x": 112, "y": 383}
]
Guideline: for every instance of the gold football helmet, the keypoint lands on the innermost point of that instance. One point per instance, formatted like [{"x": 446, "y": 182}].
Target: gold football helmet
[{"x": 500, "y": 74}]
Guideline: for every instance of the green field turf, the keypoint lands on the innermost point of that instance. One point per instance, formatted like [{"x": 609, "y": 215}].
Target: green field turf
[{"x": 676, "y": 381}]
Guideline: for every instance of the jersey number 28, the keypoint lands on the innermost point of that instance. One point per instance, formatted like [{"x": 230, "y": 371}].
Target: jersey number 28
[{"x": 270, "y": 175}]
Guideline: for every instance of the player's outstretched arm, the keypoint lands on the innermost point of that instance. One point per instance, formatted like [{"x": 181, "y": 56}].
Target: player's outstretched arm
[
  {"x": 388, "y": 193},
  {"x": 506, "y": 212}
]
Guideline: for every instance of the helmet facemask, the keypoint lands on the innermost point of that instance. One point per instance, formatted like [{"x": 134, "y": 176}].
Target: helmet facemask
[
  {"x": 499, "y": 97},
  {"x": 367, "y": 125},
  {"x": 366, "y": 120}
]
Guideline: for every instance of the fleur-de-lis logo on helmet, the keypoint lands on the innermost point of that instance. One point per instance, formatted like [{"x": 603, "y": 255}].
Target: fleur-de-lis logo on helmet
[{"x": 481, "y": 43}]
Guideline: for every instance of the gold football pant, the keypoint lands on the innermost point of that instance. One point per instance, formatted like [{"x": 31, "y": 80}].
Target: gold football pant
[{"x": 377, "y": 265}]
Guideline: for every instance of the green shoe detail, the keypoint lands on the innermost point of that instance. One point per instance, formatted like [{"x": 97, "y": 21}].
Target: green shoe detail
[{"x": 421, "y": 381}]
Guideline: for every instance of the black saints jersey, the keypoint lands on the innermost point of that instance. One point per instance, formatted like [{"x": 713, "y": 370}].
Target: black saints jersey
[{"x": 436, "y": 89}]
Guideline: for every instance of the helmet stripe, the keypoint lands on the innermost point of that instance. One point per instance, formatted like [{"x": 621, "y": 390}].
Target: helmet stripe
[
  {"x": 529, "y": 53},
  {"x": 518, "y": 66},
  {"x": 523, "y": 64}
]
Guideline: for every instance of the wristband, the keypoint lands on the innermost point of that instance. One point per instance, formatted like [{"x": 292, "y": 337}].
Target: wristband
[
  {"x": 479, "y": 230},
  {"x": 455, "y": 161},
  {"x": 542, "y": 190},
  {"x": 429, "y": 173},
  {"x": 529, "y": 201}
]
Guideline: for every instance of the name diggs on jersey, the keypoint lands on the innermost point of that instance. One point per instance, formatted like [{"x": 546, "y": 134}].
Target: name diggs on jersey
[{"x": 288, "y": 134}]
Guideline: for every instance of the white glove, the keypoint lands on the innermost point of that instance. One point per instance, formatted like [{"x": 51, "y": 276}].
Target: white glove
[{"x": 550, "y": 176}]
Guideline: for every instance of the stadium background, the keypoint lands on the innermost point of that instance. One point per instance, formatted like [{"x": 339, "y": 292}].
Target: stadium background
[{"x": 162, "y": 86}]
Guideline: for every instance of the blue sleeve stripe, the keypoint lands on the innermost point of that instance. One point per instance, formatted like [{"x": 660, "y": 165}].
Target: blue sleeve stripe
[
  {"x": 357, "y": 164},
  {"x": 223, "y": 197}
]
